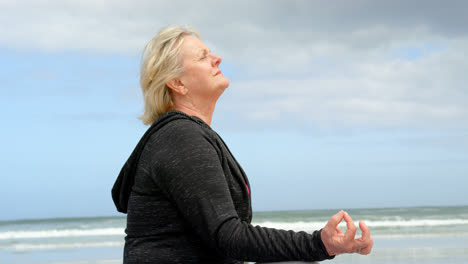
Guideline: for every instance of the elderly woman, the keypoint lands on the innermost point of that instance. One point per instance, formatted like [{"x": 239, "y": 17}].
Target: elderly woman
[{"x": 186, "y": 197}]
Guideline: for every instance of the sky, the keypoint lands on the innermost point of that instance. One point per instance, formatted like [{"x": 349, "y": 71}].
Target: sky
[{"x": 331, "y": 104}]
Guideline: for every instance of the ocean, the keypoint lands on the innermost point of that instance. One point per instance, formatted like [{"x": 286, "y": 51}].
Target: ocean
[{"x": 401, "y": 235}]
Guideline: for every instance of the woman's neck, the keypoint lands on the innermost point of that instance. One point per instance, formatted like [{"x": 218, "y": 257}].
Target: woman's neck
[{"x": 204, "y": 114}]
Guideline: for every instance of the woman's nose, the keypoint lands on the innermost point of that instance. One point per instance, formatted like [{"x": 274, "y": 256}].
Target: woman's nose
[{"x": 216, "y": 60}]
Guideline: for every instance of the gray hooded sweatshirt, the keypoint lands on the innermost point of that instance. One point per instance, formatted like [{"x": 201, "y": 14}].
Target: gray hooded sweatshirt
[{"x": 187, "y": 200}]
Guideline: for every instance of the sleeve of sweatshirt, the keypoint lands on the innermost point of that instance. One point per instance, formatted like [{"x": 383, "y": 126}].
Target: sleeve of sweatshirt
[{"x": 189, "y": 171}]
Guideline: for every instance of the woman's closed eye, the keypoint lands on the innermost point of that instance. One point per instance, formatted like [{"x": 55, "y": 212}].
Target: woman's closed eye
[{"x": 205, "y": 54}]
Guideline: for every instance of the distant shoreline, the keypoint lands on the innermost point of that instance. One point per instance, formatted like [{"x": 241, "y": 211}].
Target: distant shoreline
[{"x": 256, "y": 212}]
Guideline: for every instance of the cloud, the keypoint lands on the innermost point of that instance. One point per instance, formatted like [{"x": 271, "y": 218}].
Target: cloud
[
  {"x": 345, "y": 62},
  {"x": 123, "y": 26},
  {"x": 429, "y": 91}
]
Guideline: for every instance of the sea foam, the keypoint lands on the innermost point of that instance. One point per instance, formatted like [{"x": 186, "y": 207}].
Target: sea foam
[
  {"x": 297, "y": 226},
  {"x": 62, "y": 233}
]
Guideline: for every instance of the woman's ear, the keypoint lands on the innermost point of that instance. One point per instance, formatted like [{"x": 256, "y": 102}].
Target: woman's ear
[{"x": 177, "y": 86}]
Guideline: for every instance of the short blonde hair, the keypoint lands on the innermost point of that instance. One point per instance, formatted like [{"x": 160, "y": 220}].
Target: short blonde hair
[{"x": 161, "y": 62}]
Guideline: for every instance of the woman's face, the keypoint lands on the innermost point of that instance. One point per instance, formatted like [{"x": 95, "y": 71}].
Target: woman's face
[{"x": 202, "y": 76}]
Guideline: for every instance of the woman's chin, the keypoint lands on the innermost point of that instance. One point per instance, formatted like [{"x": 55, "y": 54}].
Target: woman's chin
[{"x": 226, "y": 83}]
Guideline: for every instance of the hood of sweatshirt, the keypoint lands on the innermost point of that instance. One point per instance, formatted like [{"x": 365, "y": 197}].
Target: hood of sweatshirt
[{"x": 124, "y": 183}]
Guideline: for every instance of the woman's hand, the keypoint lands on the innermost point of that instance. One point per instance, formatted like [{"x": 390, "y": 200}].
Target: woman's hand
[{"x": 338, "y": 243}]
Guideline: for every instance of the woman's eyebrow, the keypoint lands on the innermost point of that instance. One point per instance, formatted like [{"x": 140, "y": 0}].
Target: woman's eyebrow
[{"x": 203, "y": 52}]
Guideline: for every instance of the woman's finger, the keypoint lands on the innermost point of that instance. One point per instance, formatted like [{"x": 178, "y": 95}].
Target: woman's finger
[
  {"x": 365, "y": 230},
  {"x": 339, "y": 233},
  {"x": 366, "y": 250},
  {"x": 351, "y": 232},
  {"x": 338, "y": 230},
  {"x": 365, "y": 242},
  {"x": 335, "y": 219}
]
